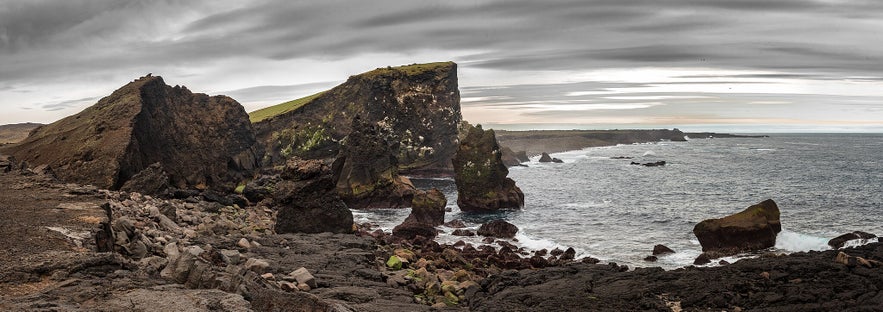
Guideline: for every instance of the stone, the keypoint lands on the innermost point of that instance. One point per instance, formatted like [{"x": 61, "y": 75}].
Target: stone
[
  {"x": 651, "y": 258},
  {"x": 366, "y": 171},
  {"x": 257, "y": 265},
  {"x": 419, "y": 104},
  {"x": 232, "y": 257},
  {"x": 411, "y": 230},
  {"x": 839, "y": 241},
  {"x": 303, "y": 276},
  {"x": 428, "y": 207},
  {"x": 498, "y": 228},
  {"x": 243, "y": 242},
  {"x": 455, "y": 224},
  {"x": 702, "y": 259},
  {"x": 153, "y": 180},
  {"x": 311, "y": 205},
  {"x": 754, "y": 228},
  {"x": 481, "y": 176},
  {"x": 462, "y": 232},
  {"x": 557, "y": 161},
  {"x": 394, "y": 262},
  {"x": 662, "y": 250},
  {"x": 544, "y": 158},
  {"x": 199, "y": 141}
]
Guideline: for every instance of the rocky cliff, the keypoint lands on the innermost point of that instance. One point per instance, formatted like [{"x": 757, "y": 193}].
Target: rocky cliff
[
  {"x": 418, "y": 104},
  {"x": 199, "y": 141}
]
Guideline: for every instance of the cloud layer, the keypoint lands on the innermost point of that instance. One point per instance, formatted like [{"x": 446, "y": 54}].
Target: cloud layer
[{"x": 264, "y": 52}]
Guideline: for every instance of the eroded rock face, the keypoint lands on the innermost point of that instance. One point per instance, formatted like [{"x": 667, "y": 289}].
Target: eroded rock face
[
  {"x": 308, "y": 202},
  {"x": 366, "y": 171},
  {"x": 419, "y": 105},
  {"x": 755, "y": 228},
  {"x": 200, "y": 141},
  {"x": 480, "y": 175},
  {"x": 428, "y": 207}
]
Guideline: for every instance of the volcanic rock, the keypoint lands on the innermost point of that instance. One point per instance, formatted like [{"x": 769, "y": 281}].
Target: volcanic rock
[
  {"x": 480, "y": 175},
  {"x": 312, "y": 205},
  {"x": 755, "y": 228},
  {"x": 839, "y": 241},
  {"x": 428, "y": 207},
  {"x": 511, "y": 158},
  {"x": 545, "y": 158},
  {"x": 200, "y": 141},
  {"x": 153, "y": 180},
  {"x": 410, "y": 230},
  {"x": 366, "y": 170},
  {"x": 498, "y": 228},
  {"x": 661, "y": 250},
  {"x": 419, "y": 104}
]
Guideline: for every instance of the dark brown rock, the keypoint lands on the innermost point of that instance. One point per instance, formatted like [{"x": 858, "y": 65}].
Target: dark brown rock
[
  {"x": 312, "y": 205},
  {"x": 200, "y": 141},
  {"x": 651, "y": 258},
  {"x": 839, "y": 241},
  {"x": 419, "y": 104},
  {"x": 498, "y": 228},
  {"x": 702, "y": 259},
  {"x": 366, "y": 170},
  {"x": 661, "y": 250},
  {"x": 153, "y": 180},
  {"x": 545, "y": 158},
  {"x": 428, "y": 207},
  {"x": 480, "y": 175},
  {"x": 456, "y": 224},
  {"x": 755, "y": 228},
  {"x": 410, "y": 230},
  {"x": 462, "y": 232}
]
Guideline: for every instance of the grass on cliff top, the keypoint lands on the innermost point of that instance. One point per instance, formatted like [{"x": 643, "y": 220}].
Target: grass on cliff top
[
  {"x": 278, "y": 109},
  {"x": 410, "y": 70}
]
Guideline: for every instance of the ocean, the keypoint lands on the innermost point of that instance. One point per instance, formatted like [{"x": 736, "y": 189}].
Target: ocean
[{"x": 824, "y": 184}]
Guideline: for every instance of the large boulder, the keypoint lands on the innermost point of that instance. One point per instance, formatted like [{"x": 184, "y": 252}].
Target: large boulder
[
  {"x": 419, "y": 104},
  {"x": 480, "y": 175},
  {"x": 754, "y": 228},
  {"x": 308, "y": 202},
  {"x": 199, "y": 141},
  {"x": 366, "y": 171},
  {"x": 428, "y": 207},
  {"x": 498, "y": 228},
  {"x": 544, "y": 158}
]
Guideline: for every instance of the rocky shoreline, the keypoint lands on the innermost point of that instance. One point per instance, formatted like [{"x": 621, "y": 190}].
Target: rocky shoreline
[{"x": 193, "y": 254}]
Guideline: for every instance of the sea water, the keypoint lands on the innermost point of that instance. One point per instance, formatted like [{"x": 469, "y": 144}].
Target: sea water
[{"x": 825, "y": 185}]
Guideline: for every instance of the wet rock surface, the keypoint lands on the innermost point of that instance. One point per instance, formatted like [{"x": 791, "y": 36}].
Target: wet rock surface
[{"x": 480, "y": 175}]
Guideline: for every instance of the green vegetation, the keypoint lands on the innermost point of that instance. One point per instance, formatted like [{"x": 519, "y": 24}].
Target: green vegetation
[
  {"x": 279, "y": 109},
  {"x": 292, "y": 141},
  {"x": 409, "y": 70}
]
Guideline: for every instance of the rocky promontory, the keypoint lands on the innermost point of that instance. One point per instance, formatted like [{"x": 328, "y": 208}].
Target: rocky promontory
[
  {"x": 418, "y": 104},
  {"x": 754, "y": 228},
  {"x": 198, "y": 140}
]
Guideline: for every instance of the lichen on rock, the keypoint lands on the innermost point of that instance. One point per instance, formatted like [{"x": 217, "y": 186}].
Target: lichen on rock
[{"x": 481, "y": 176}]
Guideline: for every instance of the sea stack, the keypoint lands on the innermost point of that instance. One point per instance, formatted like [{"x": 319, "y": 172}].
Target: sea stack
[
  {"x": 754, "y": 228},
  {"x": 480, "y": 175},
  {"x": 197, "y": 140}
]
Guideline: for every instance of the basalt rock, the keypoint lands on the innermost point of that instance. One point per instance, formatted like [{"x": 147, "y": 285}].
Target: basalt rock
[
  {"x": 419, "y": 105},
  {"x": 200, "y": 141},
  {"x": 480, "y": 175},
  {"x": 839, "y": 241},
  {"x": 428, "y": 207},
  {"x": 153, "y": 180},
  {"x": 755, "y": 228},
  {"x": 310, "y": 205},
  {"x": 366, "y": 171},
  {"x": 545, "y": 158},
  {"x": 662, "y": 250},
  {"x": 498, "y": 228}
]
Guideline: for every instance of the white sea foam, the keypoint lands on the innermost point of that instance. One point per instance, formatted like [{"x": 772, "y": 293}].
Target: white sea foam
[
  {"x": 793, "y": 242},
  {"x": 649, "y": 153}
]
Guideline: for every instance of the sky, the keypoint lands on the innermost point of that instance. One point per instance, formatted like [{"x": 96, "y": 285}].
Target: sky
[{"x": 735, "y": 65}]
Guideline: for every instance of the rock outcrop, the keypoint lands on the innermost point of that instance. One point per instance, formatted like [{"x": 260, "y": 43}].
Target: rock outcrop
[
  {"x": 754, "y": 228},
  {"x": 366, "y": 171},
  {"x": 480, "y": 175},
  {"x": 200, "y": 141},
  {"x": 419, "y": 105},
  {"x": 308, "y": 202},
  {"x": 498, "y": 228},
  {"x": 544, "y": 158},
  {"x": 427, "y": 212},
  {"x": 841, "y": 240}
]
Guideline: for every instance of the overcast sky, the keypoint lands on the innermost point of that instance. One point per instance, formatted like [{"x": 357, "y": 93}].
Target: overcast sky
[{"x": 743, "y": 65}]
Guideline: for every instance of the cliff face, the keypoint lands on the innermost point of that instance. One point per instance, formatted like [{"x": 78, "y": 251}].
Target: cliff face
[
  {"x": 419, "y": 105},
  {"x": 200, "y": 141},
  {"x": 481, "y": 176}
]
